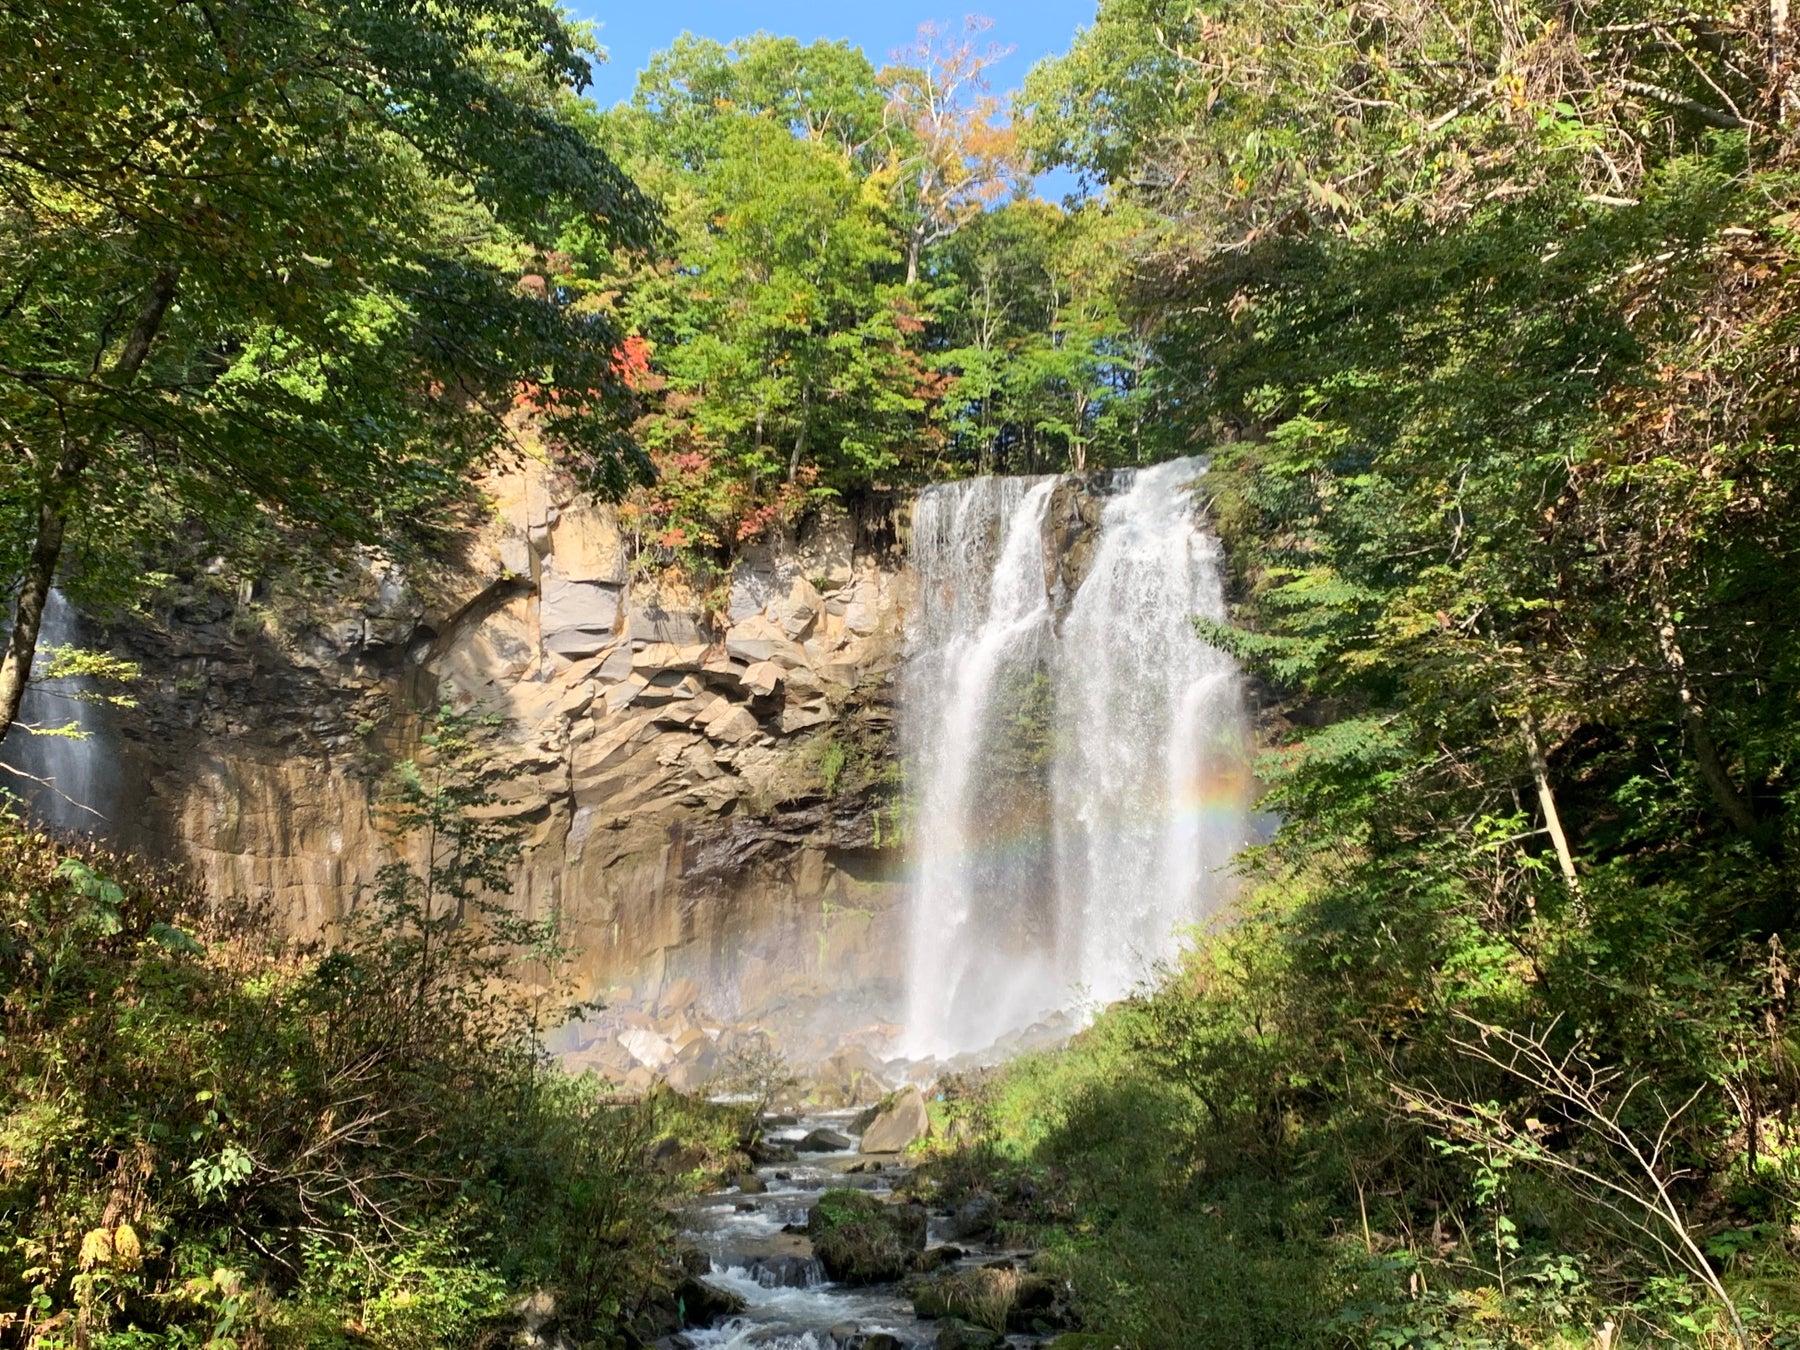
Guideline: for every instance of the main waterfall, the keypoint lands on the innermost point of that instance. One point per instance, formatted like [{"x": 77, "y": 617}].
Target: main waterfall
[{"x": 1077, "y": 753}]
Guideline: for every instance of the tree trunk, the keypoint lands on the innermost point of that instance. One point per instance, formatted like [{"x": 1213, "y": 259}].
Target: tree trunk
[
  {"x": 799, "y": 438},
  {"x": 1780, "y": 38},
  {"x": 1540, "y": 773},
  {"x": 1731, "y": 803},
  {"x": 54, "y": 507}
]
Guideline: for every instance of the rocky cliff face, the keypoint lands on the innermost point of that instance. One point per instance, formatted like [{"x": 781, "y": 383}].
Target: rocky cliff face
[{"x": 702, "y": 776}]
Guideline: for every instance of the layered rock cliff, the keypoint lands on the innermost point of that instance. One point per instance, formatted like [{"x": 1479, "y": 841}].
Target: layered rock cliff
[{"x": 704, "y": 777}]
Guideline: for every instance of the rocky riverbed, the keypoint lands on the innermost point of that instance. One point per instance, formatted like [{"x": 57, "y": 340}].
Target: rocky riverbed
[{"x": 906, "y": 1276}]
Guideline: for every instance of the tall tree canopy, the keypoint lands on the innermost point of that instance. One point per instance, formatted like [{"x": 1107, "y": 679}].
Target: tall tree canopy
[
  {"x": 267, "y": 257},
  {"x": 859, "y": 292}
]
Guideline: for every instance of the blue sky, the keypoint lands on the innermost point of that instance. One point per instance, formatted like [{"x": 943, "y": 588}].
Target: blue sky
[{"x": 632, "y": 29}]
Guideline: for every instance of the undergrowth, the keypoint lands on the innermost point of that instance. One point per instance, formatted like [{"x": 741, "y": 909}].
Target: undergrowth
[
  {"x": 213, "y": 1137},
  {"x": 1193, "y": 1170}
]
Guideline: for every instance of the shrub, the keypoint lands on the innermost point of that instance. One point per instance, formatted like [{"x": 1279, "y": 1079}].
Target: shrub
[{"x": 208, "y": 1135}]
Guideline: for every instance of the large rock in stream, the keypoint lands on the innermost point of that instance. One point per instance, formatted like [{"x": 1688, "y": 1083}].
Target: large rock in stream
[
  {"x": 898, "y": 1125},
  {"x": 860, "y": 1240},
  {"x": 999, "y": 1296}
]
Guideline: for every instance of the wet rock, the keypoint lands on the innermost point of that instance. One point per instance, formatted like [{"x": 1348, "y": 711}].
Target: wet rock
[
  {"x": 977, "y": 1216},
  {"x": 751, "y": 1184},
  {"x": 849, "y": 1336},
  {"x": 936, "y": 1258},
  {"x": 823, "y": 1141},
  {"x": 901, "y": 1123},
  {"x": 765, "y": 1153},
  {"x": 999, "y": 1295},
  {"x": 860, "y": 1240},
  {"x": 785, "y": 1271},
  {"x": 962, "y": 1336},
  {"x": 745, "y": 1207},
  {"x": 702, "y": 1303}
]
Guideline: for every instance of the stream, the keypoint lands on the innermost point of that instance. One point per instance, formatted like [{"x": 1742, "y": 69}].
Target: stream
[{"x": 789, "y": 1304}]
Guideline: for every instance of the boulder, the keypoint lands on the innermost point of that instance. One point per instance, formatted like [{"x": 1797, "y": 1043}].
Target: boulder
[
  {"x": 646, "y": 1047},
  {"x": 936, "y": 1258},
  {"x": 961, "y": 1336},
  {"x": 731, "y": 724},
  {"x": 702, "y": 1304},
  {"x": 762, "y": 678},
  {"x": 757, "y": 639},
  {"x": 783, "y": 1270},
  {"x": 977, "y": 1216},
  {"x": 763, "y": 1153},
  {"x": 695, "y": 1067},
  {"x": 751, "y": 1184},
  {"x": 860, "y": 1240},
  {"x": 823, "y": 1141},
  {"x": 851, "y": 1077},
  {"x": 798, "y": 717},
  {"x": 671, "y": 1157},
  {"x": 900, "y": 1124},
  {"x": 999, "y": 1297},
  {"x": 863, "y": 614},
  {"x": 849, "y": 1336}
]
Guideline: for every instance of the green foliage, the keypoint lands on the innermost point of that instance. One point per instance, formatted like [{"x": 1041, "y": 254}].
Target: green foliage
[
  {"x": 1480, "y": 313},
  {"x": 855, "y": 295},
  {"x": 270, "y": 269},
  {"x": 208, "y": 1134}
]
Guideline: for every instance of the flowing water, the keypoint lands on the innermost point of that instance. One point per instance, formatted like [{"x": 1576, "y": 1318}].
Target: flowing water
[
  {"x": 63, "y": 780},
  {"x": 1078, "y": 758},
  {"x": 789, "y": 1304}
]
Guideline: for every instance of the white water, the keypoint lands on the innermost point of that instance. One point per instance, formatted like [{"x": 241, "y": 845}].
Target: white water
[
  {"x": 62, "y": 780},
  {"x": 782, "y": 1312},
  {"x": 1062, "y": 883}
]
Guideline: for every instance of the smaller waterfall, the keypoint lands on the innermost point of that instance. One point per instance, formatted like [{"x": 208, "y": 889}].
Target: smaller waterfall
[
  {"x": 1078, "y": 761},
  {"x": 63, "y": 781}
]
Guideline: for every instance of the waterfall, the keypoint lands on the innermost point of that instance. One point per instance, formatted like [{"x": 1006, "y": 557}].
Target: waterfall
[
  {"x": 62, "y": 780},
  {"x": 1077, "y": 760}
]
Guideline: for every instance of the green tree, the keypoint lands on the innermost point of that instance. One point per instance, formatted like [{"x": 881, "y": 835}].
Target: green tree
[
  {"x": 267, "y": 258},
  {"x": 1480, "y": 312},
  {"x": 1050, "y": 370},
  {"x": 825, "y": 92}
]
